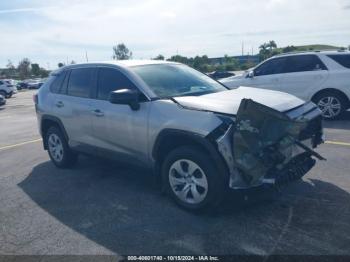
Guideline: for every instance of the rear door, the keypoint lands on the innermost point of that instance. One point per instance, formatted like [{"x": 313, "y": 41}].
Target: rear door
[
  {"x": 268, "y": 74},
  {"x": 117, "y": 129},
  {"x": 302, "y": 73},
  {"x": 72, "y": 106}
]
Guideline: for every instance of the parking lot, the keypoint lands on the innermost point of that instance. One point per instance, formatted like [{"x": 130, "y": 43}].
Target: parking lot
[{"x": 101, "y": 207}]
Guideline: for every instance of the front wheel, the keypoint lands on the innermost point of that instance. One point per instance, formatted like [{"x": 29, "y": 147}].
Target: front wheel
[
  {"x": 192, "y": 178},
  {"x": 60, "y": 153}
]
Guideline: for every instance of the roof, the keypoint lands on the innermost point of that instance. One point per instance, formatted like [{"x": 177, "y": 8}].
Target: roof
[
  {"x": 329, "y": 52},
  {"x": 125, "y": 63}
]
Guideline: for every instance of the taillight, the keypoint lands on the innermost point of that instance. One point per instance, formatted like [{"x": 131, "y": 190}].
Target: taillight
[{"x": 35, "y": 99}]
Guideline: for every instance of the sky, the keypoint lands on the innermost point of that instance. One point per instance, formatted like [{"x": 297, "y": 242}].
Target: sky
[{"x": 48, "y": 32}]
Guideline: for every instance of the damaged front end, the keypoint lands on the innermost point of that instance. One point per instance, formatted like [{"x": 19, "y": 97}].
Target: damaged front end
[{"x": 262, "y": 145}]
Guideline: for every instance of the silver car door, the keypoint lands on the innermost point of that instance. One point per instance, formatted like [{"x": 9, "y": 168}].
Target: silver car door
[{"x": 117, "y": 128}]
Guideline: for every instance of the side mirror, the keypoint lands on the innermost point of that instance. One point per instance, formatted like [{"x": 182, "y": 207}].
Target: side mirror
[
  {"x": 125, "y": 97},
  {"x": 250, "y": 74}
]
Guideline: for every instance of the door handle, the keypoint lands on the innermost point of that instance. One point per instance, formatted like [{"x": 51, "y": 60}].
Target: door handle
[
  {"x": 59, "y": 104},
  {"x": 98, "y": 112}
]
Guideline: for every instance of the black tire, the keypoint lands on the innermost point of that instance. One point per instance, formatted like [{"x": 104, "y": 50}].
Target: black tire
[
  {"x": 217, "y": 184},
  {"x": 3, "y": 93},
  {"x": 337, "y": 98},
  {"x": 68, "y": 158}
]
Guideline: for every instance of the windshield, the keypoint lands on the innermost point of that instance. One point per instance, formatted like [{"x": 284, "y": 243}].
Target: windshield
[{"x": 169, "y": 80}]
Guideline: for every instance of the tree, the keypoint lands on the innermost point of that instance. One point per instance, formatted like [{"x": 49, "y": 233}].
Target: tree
[
  {"x": 43, "y": 73},
  {"x": 35, "y": 69},
  {"x": 159, "y": 57},
  {"x": 24, "y": 68},
  {"x": 11, "y": 68},
  {"x": 272, "y": 44},
  {"x": 267, "y": 50},
  {"x": 288, "y": 49},
  {"x": 121, "y": 52},
  {"x": 60, "y": 64}
]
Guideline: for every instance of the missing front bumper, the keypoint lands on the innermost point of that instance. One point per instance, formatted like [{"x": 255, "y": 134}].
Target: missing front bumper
[{"x": 263, "y": 145}]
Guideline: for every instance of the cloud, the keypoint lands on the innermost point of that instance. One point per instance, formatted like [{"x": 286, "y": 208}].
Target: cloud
[
  {"x": 19, "y": 10},
  {"x": 55, "y": 30}
]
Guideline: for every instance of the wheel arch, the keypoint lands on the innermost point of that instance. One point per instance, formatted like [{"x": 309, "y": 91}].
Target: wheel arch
[
  {"x": 169, "y": 139},
  {"x": 332, "y": 90},
  {"x": 48, "y": 121}
]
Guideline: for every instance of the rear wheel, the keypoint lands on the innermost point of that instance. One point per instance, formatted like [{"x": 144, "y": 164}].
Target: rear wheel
[
  {"x": 192, "y": 178},
  {"x": 60, "y": 153},
  {"x": 3, "y": 93},
  {"x": 331, "y": 104}
]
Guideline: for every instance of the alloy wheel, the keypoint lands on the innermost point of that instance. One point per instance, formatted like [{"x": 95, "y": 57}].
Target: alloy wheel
[{"x": 330, "y": 106}]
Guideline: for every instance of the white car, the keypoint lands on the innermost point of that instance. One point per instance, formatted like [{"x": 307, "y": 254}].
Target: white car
[
  {"x": 320, "y": 76},
  {"x": 7, "y": 88}
]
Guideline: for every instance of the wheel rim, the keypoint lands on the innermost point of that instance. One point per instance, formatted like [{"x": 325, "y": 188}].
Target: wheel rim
[
  {"x": 55, "y": 147},
  {"x": 188, "y": 181},
  {"x": 330, "y": 106}
]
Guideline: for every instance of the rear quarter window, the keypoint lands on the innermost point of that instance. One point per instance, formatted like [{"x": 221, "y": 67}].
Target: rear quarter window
[
  {"x": 56, "y": 83},
  {"x": 343, "y": 60}
]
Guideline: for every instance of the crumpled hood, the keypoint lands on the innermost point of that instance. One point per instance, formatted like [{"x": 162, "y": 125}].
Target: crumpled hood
[{"x": 227, "y": 102}]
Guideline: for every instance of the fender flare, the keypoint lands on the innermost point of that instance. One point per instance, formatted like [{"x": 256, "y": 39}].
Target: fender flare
[
  {"x": 197, "y": 139},
  {"x": 57, "y": 121}
]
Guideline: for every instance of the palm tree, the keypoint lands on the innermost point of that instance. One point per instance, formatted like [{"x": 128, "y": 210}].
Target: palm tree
[{"x": 272, "y": 44}]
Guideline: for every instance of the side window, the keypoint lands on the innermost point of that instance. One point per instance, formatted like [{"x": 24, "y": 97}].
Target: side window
[
  {"x": 303, "y": 63},
  {"x": 80, "y": 81},
  {"x": 56, "y": 85},
  {"x": 109, "y": 80},
  {"x": 271, "y": 67},
  {"x": 344, "y": 60},
  {"x": 1, "y": 83}
]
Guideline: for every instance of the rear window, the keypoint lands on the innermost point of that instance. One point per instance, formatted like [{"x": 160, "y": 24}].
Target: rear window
[
  {"x": 80, "y": 81},
  {"x": 56, "y": 85},
  {"x": 344, "y": 60},
  {"x": 303, "y": 63}
]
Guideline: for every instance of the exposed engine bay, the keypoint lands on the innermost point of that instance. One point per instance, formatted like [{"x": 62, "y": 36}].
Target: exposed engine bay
[{"x": 262, "y": 145}]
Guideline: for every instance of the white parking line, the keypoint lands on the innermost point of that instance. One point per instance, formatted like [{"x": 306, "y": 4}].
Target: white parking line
[{"x": 20, "y": 144}]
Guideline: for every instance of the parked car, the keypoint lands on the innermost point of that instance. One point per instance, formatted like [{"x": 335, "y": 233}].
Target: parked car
[
  {"x": 220, "y": 74},
  {"x": 35, "y": 83},
  {"x": 200, "y": 138},
  {"x": 322, "y": 77},
  {"x": 22, "y": 85},
  {"x": 2, "y": 100},
  {"x": 7, "y": 89}
]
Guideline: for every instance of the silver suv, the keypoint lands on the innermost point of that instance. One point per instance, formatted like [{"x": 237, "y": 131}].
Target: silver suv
[{"x": 200, "y": 138}]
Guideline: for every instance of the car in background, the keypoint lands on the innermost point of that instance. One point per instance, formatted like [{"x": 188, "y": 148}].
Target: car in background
[
  {"x": 35, "y": 83},
  {"x": 7, "y": 88},
  {"x": 320, "y": 76},
  {"x": 22, "y": 85},
  {"x": 2, "y": 100},
  {"x": 220, "y": 74}
]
